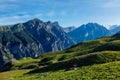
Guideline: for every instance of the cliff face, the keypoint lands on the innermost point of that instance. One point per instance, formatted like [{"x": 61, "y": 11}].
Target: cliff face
[{"x": 31, "y": 39}]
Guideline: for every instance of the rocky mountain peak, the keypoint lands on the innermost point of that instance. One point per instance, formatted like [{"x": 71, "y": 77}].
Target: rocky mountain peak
[
  {"x": 34, "y": 21},
  {"x": 49, "y": 22},
  {"x": 88, "y": 31},
  {"x": 31, "y": 39},
  {"x": 55, "y": 23}
]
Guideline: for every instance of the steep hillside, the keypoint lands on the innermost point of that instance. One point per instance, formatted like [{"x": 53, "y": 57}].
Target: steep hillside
[
  {"x": 89, "y": 31},
  {"x": 31, "y": 39},
  {"x": 95, "y": 59}
]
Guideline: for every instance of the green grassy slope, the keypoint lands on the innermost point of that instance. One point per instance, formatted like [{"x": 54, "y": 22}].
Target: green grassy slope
[
  {"x": 107, "y": 71},
  {"x": 91, "y": 60}
]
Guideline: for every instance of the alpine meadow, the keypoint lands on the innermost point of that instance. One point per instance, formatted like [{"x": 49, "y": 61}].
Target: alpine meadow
[{"x": 59, "y": 40}]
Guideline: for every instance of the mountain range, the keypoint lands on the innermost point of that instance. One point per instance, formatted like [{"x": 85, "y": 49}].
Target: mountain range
[
  {"x": 115, "y": 29},
  {"x": 31, "y": 39},
  {"x": 46, "y": 51},
  {"x": 97, "y": 59},
  {"x": 35, "y": 37},
  {"x": 88, "y": 31}
]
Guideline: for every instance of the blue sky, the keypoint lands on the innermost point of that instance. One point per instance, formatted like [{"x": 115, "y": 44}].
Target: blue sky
[{"x": 66, "y": 12}]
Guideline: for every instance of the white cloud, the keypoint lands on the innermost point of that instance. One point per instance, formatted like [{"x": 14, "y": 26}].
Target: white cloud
[
  {"x": 13, "y": 19},
  {"x": 112, "y": 4},
  {"x": 63, "y": 13},
  {"x": 51, "y": 14},
  {"x": 38, "y": 15},
  {"x": 13, "y": 0},
  {"x": 7, "y": 7},
  {"x": 5, "y": 1}
]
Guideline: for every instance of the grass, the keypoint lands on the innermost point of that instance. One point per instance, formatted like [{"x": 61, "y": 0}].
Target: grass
[
  {"x": 92, "y": 60},
  {"x": 11, "y": 75},
  {"x": 84, "y": 60},
  {"x": 107, "y": 71}
]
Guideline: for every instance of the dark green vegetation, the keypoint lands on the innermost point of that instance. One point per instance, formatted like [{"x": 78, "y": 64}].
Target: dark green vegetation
[
  {"x": 108, "y": 71},
  {"x": 92, "y": 60}
]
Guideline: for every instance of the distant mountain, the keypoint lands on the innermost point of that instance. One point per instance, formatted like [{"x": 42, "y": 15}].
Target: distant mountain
[
  {"x": 89, "y": 31},
  {"x": 91, "y": 60},
  {"x": 69, "y": 29},
  {"x": 114, "y": 29},
  {"x": 31, "y": 39},
  {"x": 112, "y": 26},
  {"x": 118, "y": 32},
  {"x": 107, "y": 26}
]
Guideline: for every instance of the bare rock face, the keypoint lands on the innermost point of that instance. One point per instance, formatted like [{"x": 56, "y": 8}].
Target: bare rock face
[{"x": 31, "y": 39}]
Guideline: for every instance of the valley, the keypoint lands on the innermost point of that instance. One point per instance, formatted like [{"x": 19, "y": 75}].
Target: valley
[{"x": 96, "y": 59}]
